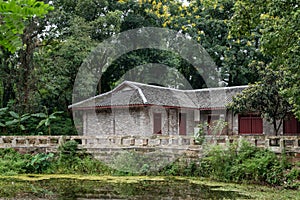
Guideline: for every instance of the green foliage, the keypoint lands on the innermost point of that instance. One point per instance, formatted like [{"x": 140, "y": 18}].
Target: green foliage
[
  {"x": 11, "y": 162},
  {"x": 293, "y": 178},
  {"x": 199, "y": 136},
  {"x": 14, "y": 14},
  {"x": 180, "y": 167},
  {"x": 277, "y": 22},
  {"x": 68, "y": 151},
  {"x": 265, "y": 97},
  {"x": 46, "y": 119},
  {"x": 57, "y": 123},
  {"x": 135, "y": 163},
  {"x": 17, "y": 120},
  {"x": 216, "y": 128},
  {"x": 40, "y": 163},
  {"x": 243, "y": 164},
  {"x": 69, "y": 160},
  {"x": 72, "y": 160},
  {"x": 237, "y": 163}
]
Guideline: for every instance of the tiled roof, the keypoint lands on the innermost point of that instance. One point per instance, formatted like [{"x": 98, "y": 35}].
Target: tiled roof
[{"x": 133, "y": 94}]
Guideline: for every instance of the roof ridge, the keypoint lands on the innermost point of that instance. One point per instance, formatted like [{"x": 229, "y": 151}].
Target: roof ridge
[
  {"x": 141, "y": 88},
  {"x": 189, "y": 90},
  {"x": 145, "y": 101}
]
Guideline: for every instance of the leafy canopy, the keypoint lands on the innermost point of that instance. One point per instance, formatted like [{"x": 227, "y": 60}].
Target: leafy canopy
[
  {"x": 278, "y": 24},
  {"x": 13, "y": 17}
]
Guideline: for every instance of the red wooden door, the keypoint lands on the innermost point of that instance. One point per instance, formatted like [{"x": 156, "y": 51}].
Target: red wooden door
[
  {"x": 291, "y": 126},
  {"x": 256, "y": 125},
  {"x": 182, "y": 123},
  {"x": 250, "y": 124},
  {"x": 157, "y": 123},
  {"x": 244, "y": 125}
]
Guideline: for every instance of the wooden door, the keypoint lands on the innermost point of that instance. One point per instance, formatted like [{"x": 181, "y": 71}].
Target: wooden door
[
  {"x": 182, "y": 123},
  {"x": 250, "y": 124},
  {"x": 291, "y": 126},
  {"x": 157, "y": 123}
]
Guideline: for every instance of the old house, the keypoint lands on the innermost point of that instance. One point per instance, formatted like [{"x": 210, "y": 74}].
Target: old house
[{"x": 137, "y": 109}]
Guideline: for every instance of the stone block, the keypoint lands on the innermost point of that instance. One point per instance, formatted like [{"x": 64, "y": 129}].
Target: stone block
[
  {"x": 174, "y": 141},
  {"x": 154, "y": 142},
  {"x": 185, "y": 141},
  {"x": 128, "y": 141},
  {"x": 164, "y": 141},
  {"x": 139, "y": 142},
  {"x": 145, "y": 142}
]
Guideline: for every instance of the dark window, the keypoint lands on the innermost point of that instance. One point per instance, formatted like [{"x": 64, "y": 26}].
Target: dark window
[
  {"x": 157, "y": 123},
  {"x": 182, "y": 123},
  {"x": 250, "y": 124},
  {"x": 212, "y": 121},
  {"x": 291, "y": 126}
]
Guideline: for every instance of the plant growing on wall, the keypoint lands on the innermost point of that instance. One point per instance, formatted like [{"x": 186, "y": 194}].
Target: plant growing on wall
[
  {"x": 199, "y": 136},
  {"x": 215, "y": 129}
]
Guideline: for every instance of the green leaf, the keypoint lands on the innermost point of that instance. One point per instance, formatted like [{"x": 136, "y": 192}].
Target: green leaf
[
  {"x": 52, "y": 117},
  {"x": 2, "y": 125},
  {"x": 2, "y": 110},
  {"x": 14, "y": 114},
  {"x": 23, "y": 118},
  {"x": 41, "y": 115},
  {"x": 47, "y": 122},
  {"x": 41, "y": 123},
  {"x": 13, "y": 122},
  {"x": 13, "y": 19},
  {"x": 22, "y": 127}
]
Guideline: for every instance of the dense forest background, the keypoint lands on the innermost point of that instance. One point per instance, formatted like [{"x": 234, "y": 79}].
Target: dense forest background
[{"x": 43, "y": 44}]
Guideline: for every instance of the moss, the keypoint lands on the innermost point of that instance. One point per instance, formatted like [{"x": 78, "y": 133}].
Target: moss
[{"x": 14, "y": 185}]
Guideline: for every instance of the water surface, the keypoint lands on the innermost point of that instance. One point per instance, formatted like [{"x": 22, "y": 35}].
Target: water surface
[{"x": 82, "y": 189}]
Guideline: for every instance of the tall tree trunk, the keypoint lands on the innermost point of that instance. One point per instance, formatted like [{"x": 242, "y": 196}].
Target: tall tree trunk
[{"x": 29, "y": 39}]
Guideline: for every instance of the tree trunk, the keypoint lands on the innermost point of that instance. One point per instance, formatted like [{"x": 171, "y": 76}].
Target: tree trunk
[
  {"x": 275, "y": 126},
  {"x": 26, "y": 65}
]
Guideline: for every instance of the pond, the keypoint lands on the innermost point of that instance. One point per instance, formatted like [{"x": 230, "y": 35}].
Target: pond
[{"x": 112, "y": 187}]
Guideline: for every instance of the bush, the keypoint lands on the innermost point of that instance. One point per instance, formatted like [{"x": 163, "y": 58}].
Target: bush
[
  {"x": 244, "y": 163},
  {"x": 180, "y": 167},
  {"x": 40, "y": 163},
  {"x": 11, "y": 162}
]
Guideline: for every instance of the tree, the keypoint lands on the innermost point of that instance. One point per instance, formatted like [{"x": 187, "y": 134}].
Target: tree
[
  {"x": 79, "y": 32},
  {"x": 20, "y": 29},
  {"x": 207, "y": 22},
  {"x": 264, "y": 97},
  {"x": 278, "y": 23},
  {"x": 14, "y": 15}
]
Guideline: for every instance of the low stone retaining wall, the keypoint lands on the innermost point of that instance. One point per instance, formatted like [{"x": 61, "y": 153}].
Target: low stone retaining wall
[{"x": 102, "y": 146}]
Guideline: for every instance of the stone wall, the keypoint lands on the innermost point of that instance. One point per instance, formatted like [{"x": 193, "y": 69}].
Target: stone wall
[
  {"x": 171, "y": 144},
  {"x": 135, "y": 121}
]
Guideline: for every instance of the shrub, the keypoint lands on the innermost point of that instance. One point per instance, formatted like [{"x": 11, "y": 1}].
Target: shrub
[
  {"x": 40, "y": 163},
  {"x": 12, "y": 162},
  {"x": 244, "y": 163}
]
